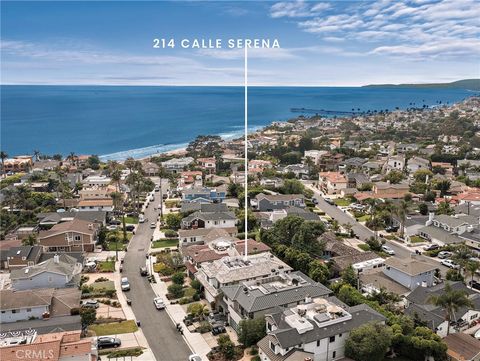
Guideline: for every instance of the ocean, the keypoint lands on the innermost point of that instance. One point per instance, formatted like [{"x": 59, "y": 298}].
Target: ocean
[{"x": 117, "y": 122}]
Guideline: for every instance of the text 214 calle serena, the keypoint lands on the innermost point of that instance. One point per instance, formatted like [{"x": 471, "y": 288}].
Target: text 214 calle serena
[{"x": 161, "y": 43}]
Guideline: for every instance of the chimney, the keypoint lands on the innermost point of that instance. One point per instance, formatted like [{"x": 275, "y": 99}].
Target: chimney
[
  {"x": 430, "y": 218},
  {"x": 56, "y": 259},
  {"x": 308, "y": 299}
]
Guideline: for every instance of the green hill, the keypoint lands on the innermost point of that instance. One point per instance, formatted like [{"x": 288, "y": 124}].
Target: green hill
[{"x": 471, "y": 84}]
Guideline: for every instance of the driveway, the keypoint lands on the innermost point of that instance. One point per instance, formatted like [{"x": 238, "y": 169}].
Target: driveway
[{"x": 165, "y": 342}]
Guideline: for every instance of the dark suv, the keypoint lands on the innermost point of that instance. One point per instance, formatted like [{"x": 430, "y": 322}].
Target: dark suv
[
  {"x": 143, "y": 271},
  {"x": 108, "y": 342}
]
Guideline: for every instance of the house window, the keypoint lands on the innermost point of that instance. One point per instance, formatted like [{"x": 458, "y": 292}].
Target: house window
[
  {"x": 77, "y": 237},
  {"x": 318, "y": 343},
  {"x": 50, "y": 279},
  {"x": 29, "y": 310},
  {"x": 334, "y": 354},
  {"x": 332, "y": 338},
  {"x": 272, "y": 346},
  {"x": 474, "y": 316},
  {"x": 15, "y": 311},
  {"x": 340, "y": 335}
]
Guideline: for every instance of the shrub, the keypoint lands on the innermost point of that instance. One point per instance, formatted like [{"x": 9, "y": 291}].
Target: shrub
[
  {"x": 176, "y": 290},
  {"x": 169, "y": 233},
  {"x": 185, "y": 300},
  {"x": 196, "y": 284},
  {"x": 178, "y": 278},
  {"x": 102, "y": 279}
]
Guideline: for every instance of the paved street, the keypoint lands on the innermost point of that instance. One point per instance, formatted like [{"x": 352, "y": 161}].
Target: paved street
[
  {"x": 166, "y": 343},
  {"x": 364, "y": 233}
]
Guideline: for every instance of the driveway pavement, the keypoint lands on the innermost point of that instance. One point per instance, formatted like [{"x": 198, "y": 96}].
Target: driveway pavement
[{"x": 159, "y": 330}]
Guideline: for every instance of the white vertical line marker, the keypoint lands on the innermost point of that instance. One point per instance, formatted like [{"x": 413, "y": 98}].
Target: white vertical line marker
[{"x": 246, "y": 150}]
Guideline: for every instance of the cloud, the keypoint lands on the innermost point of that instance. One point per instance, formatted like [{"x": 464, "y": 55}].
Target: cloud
[
  {"x": 296, "y": 9},
  {"x": 426, "y": 28}
]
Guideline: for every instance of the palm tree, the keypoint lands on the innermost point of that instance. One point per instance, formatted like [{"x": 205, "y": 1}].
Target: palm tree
[
  {"x": 443, "y": 186},
  {"x": 450, "y": 300},
  {"x": 36, "y": 154},
  {"x": 373, "y": 203},
  {"x": 72, "y": 157},
  {"x": 462, "y": 256},
  {"x": 472, "y": 267},
  {"x": 402, "y": 211},
  {"x": 3, "y": 156}
]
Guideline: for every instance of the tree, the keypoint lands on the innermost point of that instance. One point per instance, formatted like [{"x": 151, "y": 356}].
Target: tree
[
  {"x": 444, "y": 208},
  {"x": 102, "y": 237},
  {"x": 450, "y": 300},
  {"x": 251, "y": 331},
  {"x": 292, "y": 186},
  {"x": 472, "y": 267},
  {"x": 30, "y": 240},
  {"x": 443, "y": 186},
  {"x": 402, "y": 211},
  {"x": 462, "y": 255},
  {"x": 394, "y": 177},
  {"x": 227, "y": 348},
  {"x": 3, "y": 156},
  {"x": 178, "y": 278},
  {"x": 349, "y": 276},
  {"x": 176, "y": 290},
  {"x": 197, "y": 309},
  {"x": 369, "y": 342},
  {"x": 454, "y": 275},
  {"x": 423, "y": 209},
  {"x": 173, "y": 220},
  {"x": 88, "y": 315},
  {"x": 93, "y": 162}
]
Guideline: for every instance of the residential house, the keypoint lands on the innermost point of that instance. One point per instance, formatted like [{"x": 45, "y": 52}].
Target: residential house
[
  {"x": 273, "y": 182},
  {"x": 410, "y": 272},
  {"x": 205, "y": 195},
  {"x": 258, "y": 165},
  {"x": 316, "y": 329},
  {"x": 190, "y": 179},
  {"x": 416, "y": 163},
  {"x": 462, "y": 347},
  {"x": 17, "y": 164},
  {"x": 300, "y": 170},
  {"x": 268, "y": 219},
  {"x": 268, "y": 202},
  {"x": 232, "y": 270},
  {"x": 204, "y": 235},
  {"x": 76, "y": 235},
  {"x": 151, "y": 169},
  {"x": 47, "y": 220},
  {"x": 418, "y": 305},
  {"x": 444, "y": 229},
  {"x": 105, "y": 205},
  {"x": 395, "y": 162},
  {"x": 330, "y": 161},
  {"x": 209, "y": 165},
  {"x": 352, "y": 164},
  {"x": 177, "y": 165},
  {"x": 314, "y": 155},
  {"x": 42, "y": 303},
  {"x": 58, "y": 346},
  {"x": 61, "y": 271},
  {"x": 252, "y": 299},
  {"x": 203, "y": 219},
  {"x": 96, "y": 181},
  {"x": 18, "y": 257},
  {"x": 357, "y": 180},
  {"x": 446, "y": 168},
  {"x": 407, "y": 147},
  {"x": 362, "y": 262},
  {"x": 332, "y": 182}
]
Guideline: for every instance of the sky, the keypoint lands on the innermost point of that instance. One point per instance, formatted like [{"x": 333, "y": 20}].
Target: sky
[{"x": 328, "y": 43}]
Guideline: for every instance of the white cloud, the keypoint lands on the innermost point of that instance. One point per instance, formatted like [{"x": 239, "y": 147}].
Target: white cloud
[
  {"x": 425, "y": 28},
  {"x": 297, "y": 9}
]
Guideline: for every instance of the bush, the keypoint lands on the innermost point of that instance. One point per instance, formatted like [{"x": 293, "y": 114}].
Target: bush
[
  {"x": 163, "y": 269},
  {"x": 185, "y": 300},
  {"x": 204, "y": 327},
  {"x": 256, "y": 358},
  {"x": 196, "y": 284},
  {"x": 176, "y": 290},
  {"x": 196, "y": 297},
  {"x": 101, "y": 279},
  {"x": 254, "y": 351},
  {"x": 227, "y": 348},
  {"x": 178, "y": 278},
  {"x": 251, "y": 331},
  {"x": 169, "y": 233}
]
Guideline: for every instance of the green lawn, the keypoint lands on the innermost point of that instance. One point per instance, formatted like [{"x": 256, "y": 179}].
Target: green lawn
[
  {"x": 416, "y": 239},
  {"x": 114, "y": 328},
  {"x": 364, "y": 218},
  {"x": 112, "y": 246},
  {"x": 131, "y": 220},
  {"x": 105, "y": 285},
  {"x": 342, "y": 202},
  {"x": 165, "y": 243},
  {"x": 106, "y": 266},
  {"x": 365, "y": 247}
]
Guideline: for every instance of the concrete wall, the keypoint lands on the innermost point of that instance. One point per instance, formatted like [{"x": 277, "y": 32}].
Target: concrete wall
[
  {"x": 22, "y": 314},
  {"x": 42, "y": 280}
]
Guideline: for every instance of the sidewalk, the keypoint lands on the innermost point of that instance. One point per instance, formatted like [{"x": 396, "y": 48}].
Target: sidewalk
[{"x": 194, "y": 340}]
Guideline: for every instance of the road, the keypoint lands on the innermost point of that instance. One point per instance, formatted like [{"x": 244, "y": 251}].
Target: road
[
  {"x": 365, "y": 233},
  {"x": 166, "y": 343}
]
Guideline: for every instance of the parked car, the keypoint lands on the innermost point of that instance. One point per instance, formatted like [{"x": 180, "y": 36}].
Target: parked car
[
  {"x": 431, "y": 247},
  {"x": 474, "y": 284},
  {"x": 450, "y": 264},
  {"x": 157, "y": 188},
  {"x": 130, "y": 228},
  {"x": 444, "y": 254},
  {"x": 153, "y": 225},
  {"x": 391, "y": 229},
  {"x": 141, "y": 218},
  {"x": 388, "y": 250},
  {"x": 115, "y": 222},
  {"x": 329, "y": 201},
  {"x": 91, "y": 304},
  {"x": 108, "y": 342},
  {"x": 125, "y": 284},
  {"x": 158, "y": 302},
  {"x": 314, "y": 200},
  {"x": 194, "y": 357},
  {"x": 112, "y": 227},
  {"x": 143, "y": 271}
]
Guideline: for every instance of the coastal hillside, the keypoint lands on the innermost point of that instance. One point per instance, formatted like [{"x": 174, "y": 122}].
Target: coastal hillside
[{"x": 470, "y": 84}]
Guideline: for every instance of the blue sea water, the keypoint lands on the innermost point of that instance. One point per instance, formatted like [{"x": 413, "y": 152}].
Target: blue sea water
[{"x": 120, "y": 121}]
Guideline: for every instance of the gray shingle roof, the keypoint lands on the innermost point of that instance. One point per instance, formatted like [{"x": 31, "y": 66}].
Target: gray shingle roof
[{"x": 66, "y": 266}]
